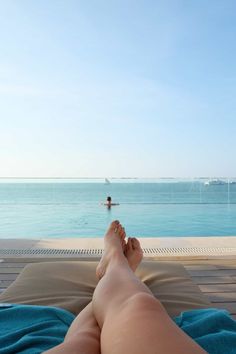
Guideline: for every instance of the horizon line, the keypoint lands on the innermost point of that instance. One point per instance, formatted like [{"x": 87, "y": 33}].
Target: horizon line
[{"x": 135, "y": 177}]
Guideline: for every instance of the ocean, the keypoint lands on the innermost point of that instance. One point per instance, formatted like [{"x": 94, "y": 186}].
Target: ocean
[{"x": 36, "y": 209}]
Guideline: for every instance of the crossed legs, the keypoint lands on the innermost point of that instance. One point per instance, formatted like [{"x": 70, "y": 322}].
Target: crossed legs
[
  {"x": 131, "y": 319},
  {"x": 83, "y": 336},
  {"x": 124, "y": 314}
]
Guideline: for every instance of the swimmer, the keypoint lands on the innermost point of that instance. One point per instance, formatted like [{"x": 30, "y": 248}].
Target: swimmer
[{"x": 109, "y": 202}]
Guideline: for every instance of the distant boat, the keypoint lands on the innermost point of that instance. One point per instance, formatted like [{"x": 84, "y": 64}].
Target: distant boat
[
  {"x": 107, "y": 181},
  {"x": 215, "y": 182}
]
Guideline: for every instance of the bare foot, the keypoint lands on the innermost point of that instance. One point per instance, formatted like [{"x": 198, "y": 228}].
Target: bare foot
[
  {"x": 114, "y": 244},
  {"x": 133, "y": 253}
]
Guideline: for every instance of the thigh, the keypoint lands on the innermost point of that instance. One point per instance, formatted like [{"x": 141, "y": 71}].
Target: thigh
[{"x": 144, "y": 327}]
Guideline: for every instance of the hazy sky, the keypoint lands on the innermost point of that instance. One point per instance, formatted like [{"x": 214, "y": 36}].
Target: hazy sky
[{"x": 117, "y": 88}]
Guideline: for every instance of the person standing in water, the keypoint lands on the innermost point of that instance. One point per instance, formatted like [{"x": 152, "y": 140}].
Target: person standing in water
[{"x": 109, "y": 202}]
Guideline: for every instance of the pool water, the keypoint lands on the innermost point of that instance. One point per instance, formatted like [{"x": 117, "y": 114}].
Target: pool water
[{"x": 73, "y": 209}]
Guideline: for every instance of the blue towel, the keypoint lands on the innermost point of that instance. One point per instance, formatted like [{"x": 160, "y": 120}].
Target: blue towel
[
  {"x": 213, "y": 329},
  {"x": 27, "y": 329}
]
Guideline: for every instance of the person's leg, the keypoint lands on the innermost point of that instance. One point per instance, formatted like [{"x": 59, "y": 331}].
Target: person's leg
[
  {"x": 83, "y": 336},
  {"x": 131, "y": 319}
]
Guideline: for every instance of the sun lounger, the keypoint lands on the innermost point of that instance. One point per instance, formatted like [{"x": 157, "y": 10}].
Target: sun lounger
[
  {"x": 48, "y": 295},
  {"x": 69, "y": 285}
]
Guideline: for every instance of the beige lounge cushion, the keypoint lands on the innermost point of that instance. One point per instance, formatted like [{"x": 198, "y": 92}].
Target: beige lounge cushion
[
  {"x": 173, "y": 286},
  {"x": 70, "y": 285}
]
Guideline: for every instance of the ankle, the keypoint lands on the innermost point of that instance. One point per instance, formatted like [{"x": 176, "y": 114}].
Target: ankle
[{"x": 117, "y": 259}]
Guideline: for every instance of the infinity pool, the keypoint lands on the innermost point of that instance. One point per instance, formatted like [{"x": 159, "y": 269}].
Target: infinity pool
[{"x": 46, "y": 209}]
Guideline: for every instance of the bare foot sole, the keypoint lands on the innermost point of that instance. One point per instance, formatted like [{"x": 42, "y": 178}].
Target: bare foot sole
[
  {"x": 114, "y": 243},
  {"x": 133, "y": 252}
]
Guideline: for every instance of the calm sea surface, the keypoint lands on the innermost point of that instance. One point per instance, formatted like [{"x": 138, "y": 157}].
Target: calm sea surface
[{"x": 52, "y": 209}]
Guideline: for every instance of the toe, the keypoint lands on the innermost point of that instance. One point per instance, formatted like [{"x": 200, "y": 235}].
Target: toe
[
  {"x": 127, "y": 247},
  {"x": 123, "y": 232},
  {"x": 120, "y": 230},
  {"x": 135, "y": 243},
  {"x": 114, "y": 225},
  {"x": 123, "y": 245},
  {"x": 129, "y": 244}
]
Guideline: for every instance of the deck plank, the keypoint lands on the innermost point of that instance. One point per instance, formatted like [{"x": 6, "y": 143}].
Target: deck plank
[
  {"x": 201, "y": 267},
  {"x": 12, "y": 264},
  {"x": 213, "y": 273},
  {"x": 225, "y": 267},
  {"x": 222, "y": 297},
  {"x": 213, "y": 280},
  {"x": 217, "y": 288},
  {"x": 9, "y": 276},
  {"x": 206, "y": 267},
  {"x": 9, "y": 270}
]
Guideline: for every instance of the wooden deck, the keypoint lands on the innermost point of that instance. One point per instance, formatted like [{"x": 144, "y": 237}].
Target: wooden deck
[
  {"x": 216, "y": 277},
  {"x": 217, "y": 280}
]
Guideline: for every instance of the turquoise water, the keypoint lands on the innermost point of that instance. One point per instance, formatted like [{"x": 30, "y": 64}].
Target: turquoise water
[{"x": 48, "y": 209}]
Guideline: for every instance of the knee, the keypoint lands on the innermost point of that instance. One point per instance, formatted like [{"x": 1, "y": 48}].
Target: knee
[{"x": 144, "y": 302}]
